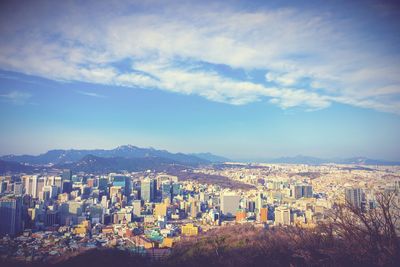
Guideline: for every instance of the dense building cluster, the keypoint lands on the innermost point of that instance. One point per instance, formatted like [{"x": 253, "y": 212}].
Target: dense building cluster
[{"x": 50, "y": 215}]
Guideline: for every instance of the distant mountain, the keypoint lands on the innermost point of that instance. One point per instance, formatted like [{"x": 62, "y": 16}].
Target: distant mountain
[
  {"x": 6, "y": 166},
  {"x": 210, "y": 157},
  {"x": 94, "y": 164},
  {"x": 60, "y": 156},
  {"x": 300, "y": 159}
]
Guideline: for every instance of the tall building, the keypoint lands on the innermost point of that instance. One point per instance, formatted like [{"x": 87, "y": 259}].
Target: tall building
[
  {"x": 123, "y": 182},
  {"x": 11, "y": 215},
  {"x": 263, "y": 215},
  {"x": 229, "y": 204},
  {"x": 160, "y": 210},
  {"x": 148, "y": 189},
  {"x": 166, "y": 190},
  {"x": 66, "y": 175},
  {"x": 302, "y": 190},
  {"x": 176, "y": 189},
  {"x": 282, "y": 216},
  {"x": 137, "y": 207},
  {"x": 102, "y": 183},
  {"x": 353, "y": 196},
  {"x": 31, "y": 186}
]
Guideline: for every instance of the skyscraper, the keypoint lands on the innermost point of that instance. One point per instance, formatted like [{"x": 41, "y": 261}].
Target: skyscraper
[
  {"x": 166, "y": 190},
  {"x": 10, "y": 215},
  {"x": 229, "y": 204},
  {"x": 282, "y": 216},
  {"x": 66, "y": 175},
  {"x": 147, "y": 190},
  {"x": 302, "y": 190},
  {"x": 353, "y": 196}
]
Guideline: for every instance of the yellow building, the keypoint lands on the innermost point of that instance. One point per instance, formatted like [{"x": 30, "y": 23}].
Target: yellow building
[
  {"x": 189, "y": 230},
  {"x": 263, "y": 215},
  {"x": 167, "y": 242},
  {"x": 82, "y": 228},
  {"x": 160, "y": 210}
]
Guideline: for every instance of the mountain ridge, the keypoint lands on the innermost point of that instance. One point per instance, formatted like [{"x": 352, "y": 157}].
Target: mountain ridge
[{"x": 63, "y": 156}]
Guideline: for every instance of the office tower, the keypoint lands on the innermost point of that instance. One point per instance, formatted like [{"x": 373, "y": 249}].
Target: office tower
[
  {"x": 123, "y": 182},
  {"x": 18, "y": 189},
  {"x": 50, "y": 218},
  {"x": 263, "y": 215},
  {"x": 40, "y": 184},
  {"x": 137, "y": 207},
  {"x": 251, "y": 205},
  {"x": 10, "y": 215},
  {"x": 66, "y": 186},
  {"x": 3, "y": 187},
  {"x": 282, "y": 216},
  {"x": 176, "y": 189},
  {"x": 31, "y": 188},
  {"x": 194, "y": 208},
  {"x": 166, "y": 190},
  {"x": 259, "y": 202},
  {"x": 102, "y": 183},
  {"x": 302, "y": 190},
  {"x": 160, "y": 210},
  {"x": 229, "y": 204},
  {"x": 66, "y": 175},
  {"x": 353, "y": 197},
  {"x": 58, "y": 182},
  {"x": 147, "y": 190}
]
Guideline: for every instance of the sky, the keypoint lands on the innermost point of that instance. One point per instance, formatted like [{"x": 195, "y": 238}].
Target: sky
[{"x": 242, "y": 79}]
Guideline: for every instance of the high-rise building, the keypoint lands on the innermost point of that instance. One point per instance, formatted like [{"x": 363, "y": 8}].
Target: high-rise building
[
  {"x": 11, "y": 215},
  {"x": 137, "y": 207},
  {"x": 166, "y": 190},
  {"x": 229, "y": 204},
  {"x": 251, "y": 205},
  {"x": 3, "y": 187},
  {"x": 160, "y": 210},
  {"x": 31, "y": 188},
  {"x": 148, "y": 187},
  {"x": 353, "y": 196},
  {"x": 124, "y": 182},
  {"x": 102, "y": 183},
  {"x": 66, "y": 175},
  {"x": 282, "y": 216},
  {"x": 263, "y": 215},
  {"x": 18, "y": 189},
  {"x": 302, "y": 190},
  {"x": 176, "y": 189}
]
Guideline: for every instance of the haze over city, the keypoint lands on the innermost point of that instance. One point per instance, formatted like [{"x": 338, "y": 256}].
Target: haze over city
[{"x": 243, "y": 80}]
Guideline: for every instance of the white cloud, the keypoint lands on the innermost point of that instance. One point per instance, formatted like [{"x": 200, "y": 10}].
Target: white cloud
[
  {"x": 90, "y": 94},
  {"x": 16, "y": 97},
  {"x": 311, "y": 59}
]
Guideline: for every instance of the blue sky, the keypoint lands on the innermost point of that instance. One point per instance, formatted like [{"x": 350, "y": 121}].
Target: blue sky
[{"x": 247, "y": 81}]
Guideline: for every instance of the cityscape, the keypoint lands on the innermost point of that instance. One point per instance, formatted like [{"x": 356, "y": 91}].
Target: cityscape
[
  {"x": 199, "y": 133},
  {"x": 57, "y": 213}
]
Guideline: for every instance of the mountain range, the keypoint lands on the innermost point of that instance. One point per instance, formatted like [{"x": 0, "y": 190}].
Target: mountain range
[
  {"x": 60, "y": 156},
  {"x": 132, "y": 158},
  {"x": 127, "y": 157}
]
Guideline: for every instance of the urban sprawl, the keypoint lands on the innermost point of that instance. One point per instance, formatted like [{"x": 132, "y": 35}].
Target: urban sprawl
[{"x": 45, "y": 217}]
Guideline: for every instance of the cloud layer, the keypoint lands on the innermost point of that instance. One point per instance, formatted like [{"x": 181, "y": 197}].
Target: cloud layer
[{"x": 309, "y": 60}]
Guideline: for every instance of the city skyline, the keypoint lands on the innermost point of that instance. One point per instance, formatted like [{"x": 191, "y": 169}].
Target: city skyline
[{"x": 244, "y": 81}]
